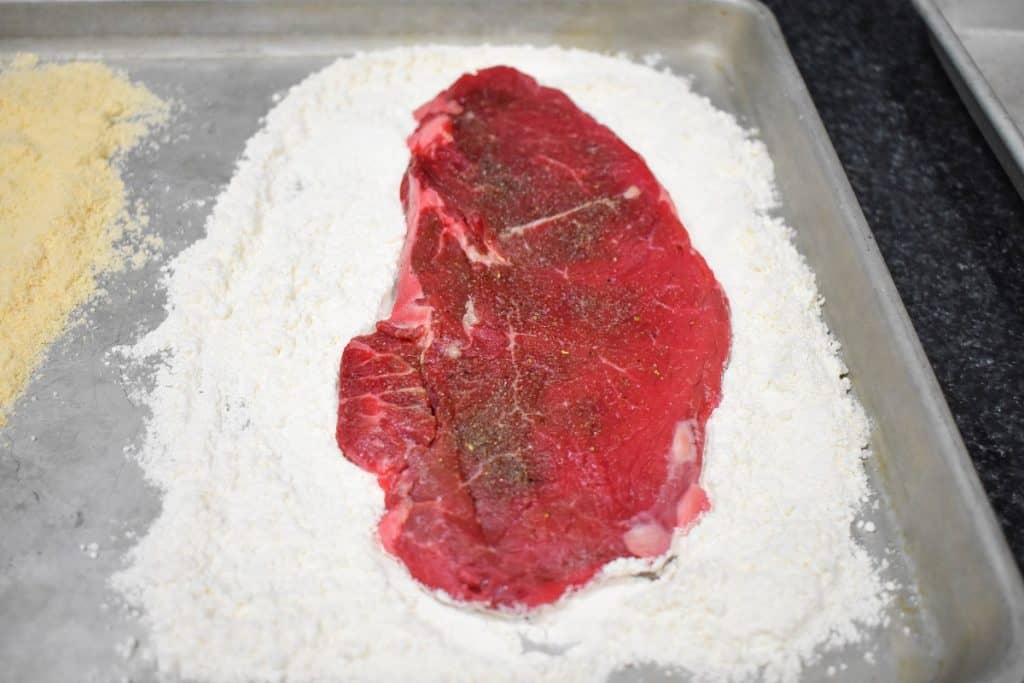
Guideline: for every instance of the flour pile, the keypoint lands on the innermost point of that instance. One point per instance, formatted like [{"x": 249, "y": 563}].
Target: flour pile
[{"x": 264, "y": 564}]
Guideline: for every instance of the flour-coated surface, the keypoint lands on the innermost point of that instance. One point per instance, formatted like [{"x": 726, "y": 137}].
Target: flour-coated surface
[{"x": 264, "y": 563}]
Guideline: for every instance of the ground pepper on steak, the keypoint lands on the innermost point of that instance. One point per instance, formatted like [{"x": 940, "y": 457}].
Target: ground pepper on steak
[{"x": 534, "y": 407}]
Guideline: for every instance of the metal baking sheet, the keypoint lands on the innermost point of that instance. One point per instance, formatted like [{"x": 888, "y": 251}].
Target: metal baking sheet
[
  {"x": 65, "y": 482},
  {"x": 981, "y": 46}
]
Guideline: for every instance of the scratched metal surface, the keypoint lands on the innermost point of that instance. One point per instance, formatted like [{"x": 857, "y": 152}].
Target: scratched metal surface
[{"x": 64, "y": 479}]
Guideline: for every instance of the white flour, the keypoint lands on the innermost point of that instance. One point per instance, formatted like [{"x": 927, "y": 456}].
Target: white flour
[{"x": 264, "y": 564}]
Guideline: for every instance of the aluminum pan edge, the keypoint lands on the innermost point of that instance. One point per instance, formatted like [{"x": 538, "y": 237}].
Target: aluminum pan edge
[{"x": 1011, "y": 669}]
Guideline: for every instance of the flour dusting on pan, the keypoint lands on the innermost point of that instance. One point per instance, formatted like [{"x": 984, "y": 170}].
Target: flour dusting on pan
[{"x": 264, "y": 563}]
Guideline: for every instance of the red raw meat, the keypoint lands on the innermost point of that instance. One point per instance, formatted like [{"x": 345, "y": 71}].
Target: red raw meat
[{"x": 535, "y": 405}]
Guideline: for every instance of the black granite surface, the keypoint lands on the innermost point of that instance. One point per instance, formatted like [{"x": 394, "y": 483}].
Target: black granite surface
[{"x": 948, "y": 222}]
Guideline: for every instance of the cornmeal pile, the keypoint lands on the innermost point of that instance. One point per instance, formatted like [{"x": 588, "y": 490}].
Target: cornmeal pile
[{"x": 62, "y": 202}]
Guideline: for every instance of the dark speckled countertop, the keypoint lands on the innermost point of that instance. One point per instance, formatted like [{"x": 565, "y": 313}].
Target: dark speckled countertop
[{"x": 947, "y": 219}]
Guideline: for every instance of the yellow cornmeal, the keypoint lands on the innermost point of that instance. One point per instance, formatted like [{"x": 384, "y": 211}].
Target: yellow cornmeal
[{"x": 62, "y": 202}]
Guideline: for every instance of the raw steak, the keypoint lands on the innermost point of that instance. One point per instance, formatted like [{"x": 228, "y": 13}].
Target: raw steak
[{"x": 535, "y": 405}]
